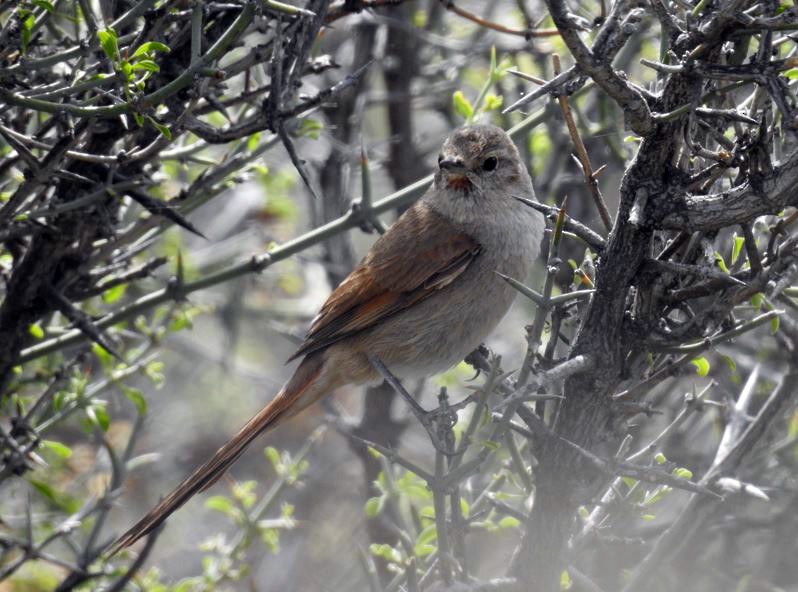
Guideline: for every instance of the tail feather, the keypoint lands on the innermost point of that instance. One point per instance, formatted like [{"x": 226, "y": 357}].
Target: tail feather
[{"x": 301, "y": 390}]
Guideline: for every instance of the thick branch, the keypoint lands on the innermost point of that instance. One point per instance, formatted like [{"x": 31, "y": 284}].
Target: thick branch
[{"x": 767, "y": 194}]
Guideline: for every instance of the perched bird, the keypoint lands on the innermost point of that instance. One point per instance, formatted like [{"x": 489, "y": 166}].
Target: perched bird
[{"x": 425, "y": 295}]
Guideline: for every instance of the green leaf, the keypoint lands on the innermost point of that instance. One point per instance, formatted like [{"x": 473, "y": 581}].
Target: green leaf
[
  {"x": 660, "y": 458},
  {"x": 652, "y": 497},
  {"x": 386, "y": 552},
  {"x": 490, "y": 444},
  {"x": 509, "y": 522},
  {"x": 113, "y": 294},
  {"x": 221, "y": 504},
  {"x": 106, "y": 359},
  {"x": 462, "y": 105},
  {"x": 60, "y": 450},
  {"x": 374, "y": 506},
  {"x": 108, "y": 42},
  {"x": 98, "y": 416},
  {"x": 791, "y": 74},
  {"x": 648, "y": 517},
  {"x": 252, "y": 143},
  {"x": 492, "y": 102},
  {"x": 164, "y": 130},
  {"x": 629, "y": 481},
  {"x": 274, "y": 457},
  {"x": 150, "y": 47},
  {"x": 739, "y": 241},
  {"x": 774, "y": 325},
  {"x": 244, "y": 493},
  {"x": 154, "y": 371},
  {"x": 757, "y": 299},
  {"x": 720, "y": 262},
  {"x": 426, "y": 541},
  {"x": 136, "y": 397},
  {"x": 45, "y": 5},
  {"x": 310, "y": 128},
  {"x": 632, "y": 139},
  {"x": 36, "y": 331},
  {"x": 683, "y": 473},
  {"x": 730, "y": 363},
  {"x": 565, "y": 580},
  {"x": 147, "y": 65},
  {"x": 701, "y": 366},
  {"x": 59, "y": 499},
  {"x": 27, "y": 28}
]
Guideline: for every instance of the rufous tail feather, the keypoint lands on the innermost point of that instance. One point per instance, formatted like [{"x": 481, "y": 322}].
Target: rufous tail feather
[{"x": 301, "y": 390}]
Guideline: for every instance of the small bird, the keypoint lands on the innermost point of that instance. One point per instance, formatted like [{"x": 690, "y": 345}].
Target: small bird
[{"x": 425, "y": 296}]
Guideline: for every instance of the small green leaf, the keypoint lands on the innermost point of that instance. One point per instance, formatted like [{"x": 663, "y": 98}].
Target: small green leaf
[
  {"x": 425, "y": 543},
  {"x": 374, "y": 506},
  {"x": 154, "y": 371},
  {"x": 36, "y": 331},
  {"x": 462, "y": 105},
  {"x": 252, "y": 143},
  {"x": 106, "y": 359},
  {"x": 45, "y": 5},
  {"x": 721, "y": 263},
  {"x": 274, "y": 457},
  {"x": 98, "y": 416},
  {"x": 60, "y": 450},
  {"x": 147, "y": 65},
  {"x": 791, "y": 74},
  {"x": 492, "y": 102},
  {"x": 150, "y": 47},
  {"x": 629, "y": 481},
  {"x": 774, "y": 325},
  {"x": 108, "y": 42},
  {"x": 739, "y": 241},
  {"x": 113, "y": 294},
  {"x": 59, "y": 499},
  {"x": 757, "y": 299},
  {"x": 221, "y": 504},
  {"x": 701, "y": 366},
  {"x": 632, "y": 139},
  {"x": 509, "y": 522},
  {"x": 489, "y": 444},
  {"x": 310, "y": 128},
  {"x": 660, "y": 458},
  {"x": 164, "y": 130},
  {"x": 683, "y": 473},
  {"x": 648, "y": 517},
  {"x": 136, "y": 397},
  {"x": 386, "y": 552},
  {"x": 565, "y": 580},
  {"x": 730, "y": 363},
  {"x": 27, "y": 28}
]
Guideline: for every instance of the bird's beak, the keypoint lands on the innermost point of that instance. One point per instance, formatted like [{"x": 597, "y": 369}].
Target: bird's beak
[
  {"x": 453, "y": 166},
  {"x": 455, "y": 172}
]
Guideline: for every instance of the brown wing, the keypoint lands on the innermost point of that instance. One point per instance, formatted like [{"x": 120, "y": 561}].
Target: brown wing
[{"x": 397, "y": 273}]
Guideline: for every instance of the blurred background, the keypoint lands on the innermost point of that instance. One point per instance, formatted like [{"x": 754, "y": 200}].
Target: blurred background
[{"x": 421, "y": 68}]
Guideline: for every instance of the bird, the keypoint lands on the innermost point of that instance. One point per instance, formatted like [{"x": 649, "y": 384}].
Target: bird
[{"x": 427, "y": 293}]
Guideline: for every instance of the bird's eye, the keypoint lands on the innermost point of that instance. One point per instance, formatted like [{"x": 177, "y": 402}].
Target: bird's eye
[
  {"x": 440, "y": 158},
  {"x": 490, "y": 163}
]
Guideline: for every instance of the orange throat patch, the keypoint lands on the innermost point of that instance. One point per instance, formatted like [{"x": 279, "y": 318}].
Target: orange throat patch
[{"x": 458, "y": 182}]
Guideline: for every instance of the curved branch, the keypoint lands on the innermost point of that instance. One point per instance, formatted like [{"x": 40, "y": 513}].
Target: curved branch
[{"x": 767, "y": 194}]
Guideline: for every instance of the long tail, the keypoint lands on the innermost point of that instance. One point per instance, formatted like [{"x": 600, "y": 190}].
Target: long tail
[{"x": 305, "y": 386}]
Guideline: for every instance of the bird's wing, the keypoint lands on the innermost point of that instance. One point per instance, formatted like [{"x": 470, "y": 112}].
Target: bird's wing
[{"x": 394, "y": 275}]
